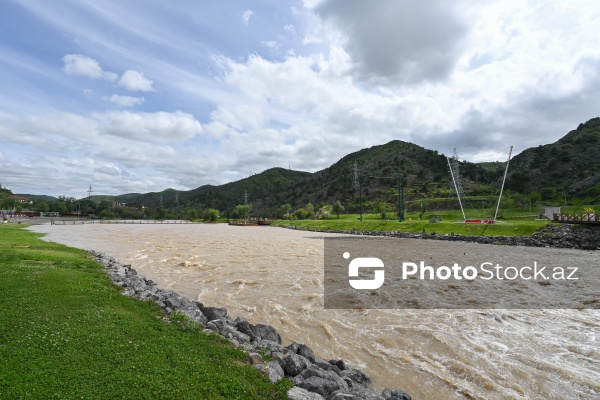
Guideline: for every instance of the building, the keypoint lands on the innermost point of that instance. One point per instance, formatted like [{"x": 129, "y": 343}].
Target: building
[{"x": 21, "y": 199}]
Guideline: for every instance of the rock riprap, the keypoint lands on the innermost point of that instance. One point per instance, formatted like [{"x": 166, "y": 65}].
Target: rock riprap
[
  {"x": 564, "y": 236},
  {"x": 314, "y": 378}
]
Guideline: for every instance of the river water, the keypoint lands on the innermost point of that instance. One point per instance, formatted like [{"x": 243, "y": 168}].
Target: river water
[{"x": 275, "y": 276}]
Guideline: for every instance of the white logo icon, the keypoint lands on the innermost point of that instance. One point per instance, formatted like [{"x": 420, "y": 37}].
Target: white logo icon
[{"x": 365, "y": 262}]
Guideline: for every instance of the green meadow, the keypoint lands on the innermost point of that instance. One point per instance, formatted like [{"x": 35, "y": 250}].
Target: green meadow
[
  {"x": 513, "y": 223},
  {"x": 66, "y": 332}
]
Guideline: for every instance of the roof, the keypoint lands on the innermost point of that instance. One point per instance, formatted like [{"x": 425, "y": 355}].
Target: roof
[{"x": 19, "y": 197}]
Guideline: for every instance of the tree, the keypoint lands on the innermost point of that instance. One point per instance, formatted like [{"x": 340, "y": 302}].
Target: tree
[
  {"x": 42, "y": 206},
  {"x": 60, "y": 206},
  {"x": 520, "y": 200},
  {"x": 210, "y": 214},
  {"x": 243, "y": 210},
  {"x": 534, "y": 198},
  {"x": 106, "y": 214},
  {"x": 161, "y": 213},
  {"x": 310, "y": 210},
  {"x": 284, "y": 210},
  {"x": 192, "y": 215},
  {"x": 300, "y": 213},
  {"x": 547, "y": 193},
  {"x": 381, "y": 208},
  {"x": 325, "y": 211},
  {"x": 338, "y": 208}
]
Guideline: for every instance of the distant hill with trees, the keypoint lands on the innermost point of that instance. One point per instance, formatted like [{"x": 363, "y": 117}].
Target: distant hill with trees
[
  {"x": 567, "y": 170},
  {"x": 570, "y": 166}
]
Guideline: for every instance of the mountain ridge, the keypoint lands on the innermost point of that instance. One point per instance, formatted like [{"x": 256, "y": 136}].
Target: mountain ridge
[{"x": 570, "y": 166}]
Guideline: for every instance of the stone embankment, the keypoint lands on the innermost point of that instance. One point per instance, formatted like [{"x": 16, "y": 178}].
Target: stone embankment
[
  {"x": 561, "y": 236},
  {"x": 314, "y": 378}
]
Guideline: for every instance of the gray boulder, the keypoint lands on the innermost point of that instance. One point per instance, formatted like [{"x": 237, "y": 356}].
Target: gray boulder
[
  {"x": 295, "y": 364},
  {"x": 195, "y": 315},
  {"x": 273, "y": 347},
  {"x": 307, "y": 352},
  {"x": 357, "y": 393},
  {"x": 245, "y": 327},
  {"x": 357, "y": 376},
  {"x": 395, "y": 394},
  {"x": 267, "y": 332},
  {"x": 327, "y": 366},
  {"x": 227, "y": 331},
  {"x": 272, "y": 369},
  {"x": 319, "y": 381},
  {"x": 213, "y": 313},
  {"x": 338, "y": 363},
  {"x": 297, "y": 393}
]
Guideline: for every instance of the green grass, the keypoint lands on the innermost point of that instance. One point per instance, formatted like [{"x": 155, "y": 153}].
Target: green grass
[
  {"x": 516, "y": 224},
  {"x": 67, "y": 332}
]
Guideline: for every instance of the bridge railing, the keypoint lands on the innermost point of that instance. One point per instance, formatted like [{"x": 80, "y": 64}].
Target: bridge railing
[
  {"x": 582, "y": 218},
  {"x": 117, "y": 222}
]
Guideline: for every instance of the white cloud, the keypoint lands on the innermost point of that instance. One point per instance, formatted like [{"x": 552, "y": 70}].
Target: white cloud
[
  {"x": 108, "y": 169},
  {"x": 77, "y": 64},
  {"x": 476, "y": 76},
  {"x": 148, "y": 127},
  {"x": 135, "y": 81},
  {"x": 246, "y": 15},
  {"x": 272, "y": 44},
  {"x": 125, "y": 101},
  {"x": 398, "y": 41}
]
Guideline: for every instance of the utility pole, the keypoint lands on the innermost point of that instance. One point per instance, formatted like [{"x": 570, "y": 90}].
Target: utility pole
[
  {"x": 90, "y": 192},
  {"x": 245, "y": 197}
]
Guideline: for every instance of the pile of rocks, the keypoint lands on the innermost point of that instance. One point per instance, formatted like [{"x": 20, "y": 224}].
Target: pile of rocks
[
  {"x": 314, "y": 378},
  {"x": 561, "y": 236}
]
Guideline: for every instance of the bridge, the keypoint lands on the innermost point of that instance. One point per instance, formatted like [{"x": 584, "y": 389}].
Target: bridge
[
  {"x": 117, "y": 222},
  {"x": 577, "y": 218}
]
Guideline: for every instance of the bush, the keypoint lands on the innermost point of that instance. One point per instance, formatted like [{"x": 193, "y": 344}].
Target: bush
[
  {"x": 210, "y": 215},
  {"x": 300, "y": 213}
]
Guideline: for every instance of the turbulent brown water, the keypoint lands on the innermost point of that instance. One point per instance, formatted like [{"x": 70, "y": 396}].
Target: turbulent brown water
[{"x": 275, "y": 276}]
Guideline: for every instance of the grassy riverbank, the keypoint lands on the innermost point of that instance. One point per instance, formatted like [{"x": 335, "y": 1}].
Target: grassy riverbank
[
  {"x": 515, "y": 226},
  {"x": 67, "y": 332}
]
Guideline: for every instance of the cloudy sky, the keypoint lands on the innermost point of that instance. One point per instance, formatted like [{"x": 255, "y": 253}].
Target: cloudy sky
[{"x": 139, "y": 96}]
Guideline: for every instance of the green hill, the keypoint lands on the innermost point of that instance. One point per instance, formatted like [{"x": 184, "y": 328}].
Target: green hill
[
  {"x": 36, "y": 196},
  {"x": 569, "y": 166},
  {"x": 424, "y": 173},
  {"x": 263, "y": 190}
]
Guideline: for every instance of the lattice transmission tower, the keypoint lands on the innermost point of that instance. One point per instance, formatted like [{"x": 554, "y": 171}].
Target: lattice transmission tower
[{"x": 355, "y": 177}]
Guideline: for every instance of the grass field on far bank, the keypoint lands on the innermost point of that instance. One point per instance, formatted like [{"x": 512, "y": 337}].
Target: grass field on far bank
[
  {"x": 515, "y": 225},
  {"x": 67, "y": 332}
]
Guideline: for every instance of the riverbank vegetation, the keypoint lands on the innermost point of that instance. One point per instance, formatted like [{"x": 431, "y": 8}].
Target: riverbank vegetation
[
  {"x": 67, "y": 332},
  {"x": 372, "y": 222}
]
